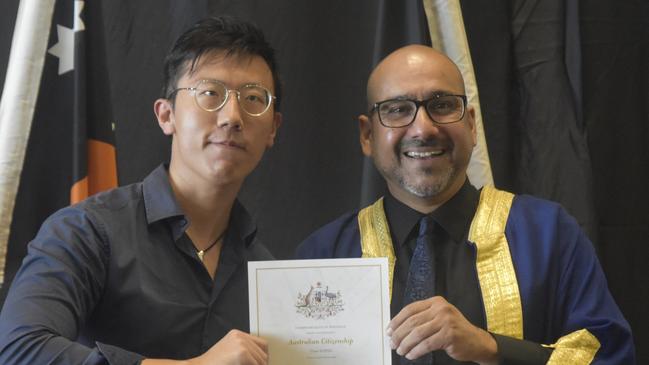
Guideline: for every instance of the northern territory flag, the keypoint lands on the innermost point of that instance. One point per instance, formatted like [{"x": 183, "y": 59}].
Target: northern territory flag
[{"x": 70, "y": 151}]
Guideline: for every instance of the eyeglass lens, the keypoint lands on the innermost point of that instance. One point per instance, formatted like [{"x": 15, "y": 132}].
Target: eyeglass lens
[
  {"x": 213, "y": 95},
  {"x": 443, "y": 109}
]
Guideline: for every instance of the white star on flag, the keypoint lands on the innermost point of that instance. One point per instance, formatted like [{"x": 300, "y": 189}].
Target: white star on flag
[{"x": 64, "y": 49}]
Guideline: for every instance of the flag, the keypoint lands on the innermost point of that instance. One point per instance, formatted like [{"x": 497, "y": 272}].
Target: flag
[
  {"x": 17, "y": 105},
  {"x": 70, "y": 152}
]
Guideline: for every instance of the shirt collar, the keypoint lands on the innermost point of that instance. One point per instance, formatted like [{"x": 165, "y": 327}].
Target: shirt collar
[
  {"x": 159, "y": 199},
  {"x": 160, "y": 204},
  {"x": 454, "y": 216},
  {"x": 241, "y": 223},
  {"x": 401, "y": 218}
]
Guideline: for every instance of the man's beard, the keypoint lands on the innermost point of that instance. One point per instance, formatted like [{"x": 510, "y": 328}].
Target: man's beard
[
  {"x": 428, "y": 189},
  {"x": 441, "y": 181}
]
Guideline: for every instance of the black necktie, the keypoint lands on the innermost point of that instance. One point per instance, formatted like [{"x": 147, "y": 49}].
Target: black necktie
[{"x": 421, "y": 276}]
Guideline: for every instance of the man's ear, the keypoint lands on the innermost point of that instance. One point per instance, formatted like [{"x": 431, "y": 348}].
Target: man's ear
[
  {"x": 165, "y": 114},
  {"x": 365, "y": 129},
  {"x": 277, "y": 122},
  {"x": 471, "y": 121}
]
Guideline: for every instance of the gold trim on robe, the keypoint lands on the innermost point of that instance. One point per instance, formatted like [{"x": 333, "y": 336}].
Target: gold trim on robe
[
  {"x": 375, "y": 236},
  {"x": 495, "y": 268},
  {"x": 496, "y": 275},
  {"x": 575, "y": 348}
]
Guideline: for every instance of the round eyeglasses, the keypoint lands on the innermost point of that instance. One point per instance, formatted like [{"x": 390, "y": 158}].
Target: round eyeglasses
[
  {"x": 212, "y": 95},
  {"x": 442, "y": 109}
]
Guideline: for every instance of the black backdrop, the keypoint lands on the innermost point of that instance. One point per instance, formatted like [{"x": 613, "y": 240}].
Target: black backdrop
[{"x": 325, "y": 51}]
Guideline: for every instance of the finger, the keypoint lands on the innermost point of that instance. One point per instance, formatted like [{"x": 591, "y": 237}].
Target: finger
[
  {"x": 248, "y": 353},
  {"x": 406, "y": 312},
  {"x": 262, "y": 343},
  {"x": 423, "y": 311},
  {"x": 257, "y": 348},
  {"x": 425, "y": 346},
  {"x": 254, "y": 348},
  {"x": 452, "y": 333},
  {"x": 244, "y": 336},
  {"x": 409, "y": 325},
  {"x": 260, "y": 357},
  {"x": 417, "y": 336}
]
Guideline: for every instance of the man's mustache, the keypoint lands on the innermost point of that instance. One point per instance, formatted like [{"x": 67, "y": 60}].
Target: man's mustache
[{"x": 416, "y": 142}]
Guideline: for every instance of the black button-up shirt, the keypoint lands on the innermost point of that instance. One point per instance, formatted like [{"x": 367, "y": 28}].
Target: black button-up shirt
[
  {"x": 116, "y": 278},
  {"x": 456, "y": 278}
]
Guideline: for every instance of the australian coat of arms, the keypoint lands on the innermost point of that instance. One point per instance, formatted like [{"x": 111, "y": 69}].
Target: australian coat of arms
[{"x": 319, "y": 302}]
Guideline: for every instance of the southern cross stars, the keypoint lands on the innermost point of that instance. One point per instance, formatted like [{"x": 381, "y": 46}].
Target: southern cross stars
[{"x": 64, "y": 49}]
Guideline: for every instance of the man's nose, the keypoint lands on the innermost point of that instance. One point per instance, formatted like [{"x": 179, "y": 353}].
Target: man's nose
[
  {"x": 423, "y": 125},
  {"x": 230, "y": 113}
]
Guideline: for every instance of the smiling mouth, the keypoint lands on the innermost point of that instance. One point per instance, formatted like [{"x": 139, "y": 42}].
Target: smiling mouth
[{"x": 423, "y": 155}]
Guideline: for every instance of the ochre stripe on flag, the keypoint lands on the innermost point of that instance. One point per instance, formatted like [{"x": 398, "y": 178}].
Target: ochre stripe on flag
[{"x": 102, "y": 171}]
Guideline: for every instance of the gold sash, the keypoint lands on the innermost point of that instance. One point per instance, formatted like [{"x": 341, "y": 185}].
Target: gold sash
[
  {"x": 496, "y": 275},
  {"x": 375, "y": 236},
  {"x": 495, "y": 268}
]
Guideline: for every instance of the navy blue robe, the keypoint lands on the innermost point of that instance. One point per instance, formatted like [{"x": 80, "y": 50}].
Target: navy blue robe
[{"x": 561, "y": 283}]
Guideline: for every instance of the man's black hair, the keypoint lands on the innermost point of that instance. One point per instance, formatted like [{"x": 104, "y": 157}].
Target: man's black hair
[{"x": 226, "y": 34}]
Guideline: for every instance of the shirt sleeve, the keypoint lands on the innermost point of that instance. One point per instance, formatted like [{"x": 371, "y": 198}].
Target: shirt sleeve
[
  {"x": 55, "y": 290},
  {"x": 512, "y": 351}
]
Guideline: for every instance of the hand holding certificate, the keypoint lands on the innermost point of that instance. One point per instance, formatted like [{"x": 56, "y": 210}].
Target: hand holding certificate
[{"x": 321, "y": 311}]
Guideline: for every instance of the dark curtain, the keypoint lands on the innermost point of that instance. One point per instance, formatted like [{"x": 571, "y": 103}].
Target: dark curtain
[
  {"x": 326, "y": 51},
  {"x": 615, "y": 46},
  {"x": 564, "y": 88},
  {"x": 530, "y": 91}
]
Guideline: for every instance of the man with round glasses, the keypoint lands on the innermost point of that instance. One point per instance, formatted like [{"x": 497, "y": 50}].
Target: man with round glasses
[
  {"x": 157, "y": 271},
  {"x": 211, "y": 95},
  {"x": 478, "y": 276}
]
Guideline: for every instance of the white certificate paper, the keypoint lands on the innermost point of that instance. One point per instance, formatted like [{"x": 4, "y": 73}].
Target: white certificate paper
[{"x": 321, "y": 312}]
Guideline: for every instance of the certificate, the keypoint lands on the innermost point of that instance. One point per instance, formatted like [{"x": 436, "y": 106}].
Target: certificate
[{"x": 321, "y": 312}]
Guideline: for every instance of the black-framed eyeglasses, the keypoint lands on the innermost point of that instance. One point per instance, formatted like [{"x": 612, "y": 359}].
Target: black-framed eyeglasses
[
  {"x": 212, "y": 95},
  {"x": 442, "y": 109}
]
